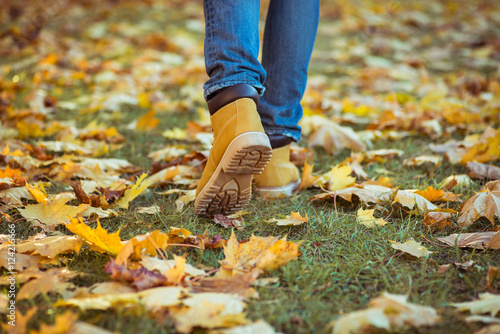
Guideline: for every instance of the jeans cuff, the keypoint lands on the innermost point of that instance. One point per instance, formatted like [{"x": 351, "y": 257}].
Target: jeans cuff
[
  {"x": 215, "y": 87},
  {"x": 295, "y": 135}
]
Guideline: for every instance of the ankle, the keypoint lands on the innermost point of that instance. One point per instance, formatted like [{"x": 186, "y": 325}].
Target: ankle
[
  {"x": 230, "y": 94},
  {"x": 278, "y": 141}
]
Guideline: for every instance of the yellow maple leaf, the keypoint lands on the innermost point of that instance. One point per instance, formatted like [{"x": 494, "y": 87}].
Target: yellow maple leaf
[
  {"x": 175, "y": 274},
  {"x": 37, "y": 194},
  {"x": 52, "y": 212},
  {"x": 411, "y": 247},
  {"x": 307, "y": 179},
  {"x": 97, "y": 239},
  {"x": 294, "y": 218},
  {"x": 130, "y": 194},
  {"x": 147, "y": 122},
  {"x": 264, "y": 253},
  {"x": 50, "y": 246},
  {"x": 365, "y": 217},
  {"x": 147, "y": 243}
]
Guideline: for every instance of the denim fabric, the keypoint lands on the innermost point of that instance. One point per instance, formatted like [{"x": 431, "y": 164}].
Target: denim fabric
[{"x": 232, "y": 49}]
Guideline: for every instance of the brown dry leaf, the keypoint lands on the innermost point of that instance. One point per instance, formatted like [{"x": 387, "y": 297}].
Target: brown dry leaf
[
  {"x": 487, "y": 303},
  {"x": 483, "y": 171},
  {"x": 52, "y": 212},
  {"x": 389, "y": 312},
  {"x": 413, "y": 201},
  {"x": 438, "y": 219},
  {"x": 411, "y": 247},
  {"x": 147, "y": 122},
  {"x": 209, "y": 310},
  {"x": 258, "y": 327},
  {"x": 307, "y": 179},
  {"x": 226, "y": 222},
  {"x": 19, "y": 322},
  {"x": 431, "y": 194},
  {"x": 483, "y": 204},
  {"x": 365, "y": 217},
  {"x": 424, "y": 160},
  {"x": 383, "y": 155},
  {"x": 97, "y": 239},
  {"x": 461, "y": 180},
  {"x": 300, "y": 155},
  {"x": 63, "y": 324},
  {"x": 154, "y": 263},
  {"x": 479, "y": 240},
  {"x": 264, "y": 253},
  {"x": 336, "y": 179},
  {"x": 50, "y": 246},
  {"x": 294, "y": 218}
]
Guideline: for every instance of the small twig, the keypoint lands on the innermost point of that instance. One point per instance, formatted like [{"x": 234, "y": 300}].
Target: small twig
[
  {"x": 432, "y": 242},
  {"x": 185, "y": 245}
]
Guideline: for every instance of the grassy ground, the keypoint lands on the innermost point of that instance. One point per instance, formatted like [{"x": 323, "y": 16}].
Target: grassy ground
[{"x": 342, "y": 264}]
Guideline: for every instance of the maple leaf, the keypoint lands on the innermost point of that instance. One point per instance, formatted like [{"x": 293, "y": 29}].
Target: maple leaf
[
  {"x": 226, "y": 222},
  {"x": 51, "y": 212},
  {"x": 424, "y": 160},
  {"x": 154, "y": 263},
  {"x": 479, "y": 240},
  {"x": 14, "y": 196},
  {"x": 483, "y": 204},
  {"x": 50, "y": 246},
  {"x": 21, "y": 322},
  {"x": 147, "y": 122},
  {"x": 36, "y": 193},
  {"x": 97, "y": 239},
  {"x": 483, "y": 171},
  {"x": 23, "y": 261},
  {"x": 390, "y": 312},
  {"x": 365, "y": 217},
  {"x": 54, "y": 279},
  {"x": 412, "y": 201},
  {"x": 294, "y": 218},
  {"x": 336, "y": 179},
  {"x": 411, "y": 247},
  {"x": 264, "y": 253},
  {"x": 487, "y": 303},
  {"x": 141, "y": 278},
  {"x": 307, "y": 179}
]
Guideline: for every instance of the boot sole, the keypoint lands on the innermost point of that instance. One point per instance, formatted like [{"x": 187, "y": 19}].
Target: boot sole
[
  {"x": 286, "y": 190},
  {"x": 230, "y": 187}
]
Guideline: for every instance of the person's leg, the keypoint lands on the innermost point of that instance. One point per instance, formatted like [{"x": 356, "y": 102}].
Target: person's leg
[
  {"x": 289, "y": 36},
  {"x": 232, "y": 45},
  {"x": 241, "y": 149}
]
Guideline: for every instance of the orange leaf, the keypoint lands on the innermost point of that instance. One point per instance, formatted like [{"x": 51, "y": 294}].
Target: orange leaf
[
  {"x": 97, "y": 239},
  {"x": 307, "y": 179},
  {"x": 147, "y": 122}
]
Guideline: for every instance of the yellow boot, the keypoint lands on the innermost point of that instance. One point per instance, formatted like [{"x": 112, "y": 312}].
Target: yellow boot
[
  {"x": 240, "y": 149},
  {"x": 280, "y": 177}
]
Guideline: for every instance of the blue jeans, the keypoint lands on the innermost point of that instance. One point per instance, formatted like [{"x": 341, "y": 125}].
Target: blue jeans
[{"x": 232, "y": 49}]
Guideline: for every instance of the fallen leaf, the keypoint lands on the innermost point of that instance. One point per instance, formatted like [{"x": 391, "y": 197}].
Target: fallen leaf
[
  {"x": 461, "y": 180},
  {"x": 209, "y": 310},
  {"x": 367, "y": 193},
  {"x": 36, "y": 193},
  {"x": 50, "y": 246},
  {"x": 483, "y": 171},
  {"x": 264, "y": 253},
  {"x": 97, "y": 239},
  {"x": 411, "y": 247},
  {"x": 189, "y": 197},
  {"x": 493, "y": 272},
  {"x": 130, "y": 194},
  {"x": 294, "y": 218},
  {"x": 487, "y": 303},
  {"x": 483, "y": 204},
  {"x": 479, "y": 240},
  {"x": 226, "y": 222},
  {"x": 307, "y": 179},
  {"x": 438, "y": 219},
  {"x": 336, "y": 179},
  {"x": 148, "y": 243},
  {"x": 147, "y": 122},
  {"x": 51, "y": 212},
  {"x": 21, "y": 322},
  {"x": 424, "y": 160},
  {"x": 413, "y": 201},
  {"x": 365, "y": 217},
  {"x": 258, "y": 327},
  {"x": 149, "y": 210},
  {"x": 154, "y": 263},
  {"x": 389, "y": 312},
  {"x": 239, "y": 283}
]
